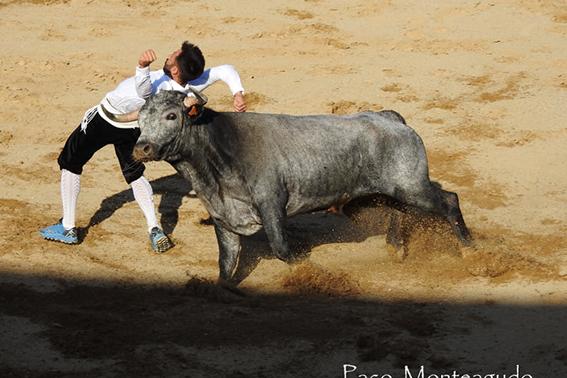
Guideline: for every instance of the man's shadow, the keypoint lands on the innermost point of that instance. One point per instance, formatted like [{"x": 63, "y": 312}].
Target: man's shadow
[{"x": 172, "y": 189}]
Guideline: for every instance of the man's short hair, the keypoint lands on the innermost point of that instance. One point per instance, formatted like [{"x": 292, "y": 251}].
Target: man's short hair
[{"x": 191, "y": 62}]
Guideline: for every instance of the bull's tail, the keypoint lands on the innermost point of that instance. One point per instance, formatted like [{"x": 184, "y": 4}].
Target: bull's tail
[{"x": 392, "y": 115}]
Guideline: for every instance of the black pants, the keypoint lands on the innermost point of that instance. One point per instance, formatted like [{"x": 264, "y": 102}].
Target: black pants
[{"x": 80, "y": 147}]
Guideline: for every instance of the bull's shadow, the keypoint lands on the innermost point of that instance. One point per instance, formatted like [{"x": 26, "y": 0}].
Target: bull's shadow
[{"x": 305, "y": 231}]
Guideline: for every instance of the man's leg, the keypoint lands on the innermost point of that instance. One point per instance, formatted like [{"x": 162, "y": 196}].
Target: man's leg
[
  {"x": 64, "y": 231},
  {"x": 78, "y": 150},
  {"x": 144, "y": 197},
  {"x": 133, "y": 171},
  {"x": 70, "y": 188}
]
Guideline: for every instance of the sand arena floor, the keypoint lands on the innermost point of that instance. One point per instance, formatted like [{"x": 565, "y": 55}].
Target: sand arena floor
[{"x": 483, "y": 83}]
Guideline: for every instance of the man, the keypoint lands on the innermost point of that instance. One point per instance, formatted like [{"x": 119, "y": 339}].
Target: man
[{"x": 183, "y": 70}]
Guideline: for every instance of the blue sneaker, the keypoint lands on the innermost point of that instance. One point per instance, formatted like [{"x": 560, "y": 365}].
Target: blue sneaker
[
  {"x": 57, "y": 228},
  {"x": 159, "y": 241},
  {"x": 58, "y": 233}
]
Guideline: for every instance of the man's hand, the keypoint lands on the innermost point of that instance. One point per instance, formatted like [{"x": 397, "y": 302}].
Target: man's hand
[
  {"x": 239, "y": 102},
  {"x": 147, "y": 58}
]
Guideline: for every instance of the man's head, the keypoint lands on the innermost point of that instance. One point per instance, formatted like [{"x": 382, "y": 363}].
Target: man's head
[{"x": 185, "y": 64}]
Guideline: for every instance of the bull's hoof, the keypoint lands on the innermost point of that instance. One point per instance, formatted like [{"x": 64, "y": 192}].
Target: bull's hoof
[
  {"x": 399, "y": 253},
  {"x": 230, "y": 286},
  {"x": 289, "y": 258},
  {"x": 469, "y": 252},
  {"x": 468, "y": 243},
  {"x": 466, "y": 240}
]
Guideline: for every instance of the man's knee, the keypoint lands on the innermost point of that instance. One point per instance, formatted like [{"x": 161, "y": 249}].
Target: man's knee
[
  {"x": 77, "y": 151},
  {"x": 70, "y": 161},
  {"x": 133, "y": 172}
]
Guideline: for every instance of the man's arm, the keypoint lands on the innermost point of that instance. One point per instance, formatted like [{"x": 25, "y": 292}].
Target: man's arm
[
  {"x": 228, "y": 74},
  {"x": 142, "y": 78}
]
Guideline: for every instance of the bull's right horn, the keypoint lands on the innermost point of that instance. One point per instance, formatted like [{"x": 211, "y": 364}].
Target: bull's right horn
[
  {"x": 120, "y": 118},
  {"x": 201, "y": 97}
]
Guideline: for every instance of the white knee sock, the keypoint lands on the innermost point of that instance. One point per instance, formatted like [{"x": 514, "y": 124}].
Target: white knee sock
[
  {"x": 70, "y": 188},
  {"x": 144, "y": 196}
]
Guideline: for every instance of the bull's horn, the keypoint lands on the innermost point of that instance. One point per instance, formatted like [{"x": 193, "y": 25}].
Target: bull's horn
[
  {"x": 201, "y": 97},
  {"x": 120, "y": 118}
]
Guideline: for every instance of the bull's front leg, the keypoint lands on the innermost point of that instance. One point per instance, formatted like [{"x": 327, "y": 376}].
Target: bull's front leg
[{"x": 229, "y": 254}]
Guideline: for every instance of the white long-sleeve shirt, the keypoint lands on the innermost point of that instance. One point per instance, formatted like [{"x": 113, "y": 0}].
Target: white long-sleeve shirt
[{"x": 132, "y": 93}]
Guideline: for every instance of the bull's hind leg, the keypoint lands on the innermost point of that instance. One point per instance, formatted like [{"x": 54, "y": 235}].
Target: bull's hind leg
[
  {"x": 455, "y": 217},
  {"x": 388, "y": 216},
  {"x": 229, "y": 254},
  {"x": 432, "y": 199},
  {"x": 398, "y": 233}
]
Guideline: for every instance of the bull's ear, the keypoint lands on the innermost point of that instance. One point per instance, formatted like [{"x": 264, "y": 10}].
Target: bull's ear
[
  {"x": 192, "y": 107},
  {"x": 194, "y": 111}
]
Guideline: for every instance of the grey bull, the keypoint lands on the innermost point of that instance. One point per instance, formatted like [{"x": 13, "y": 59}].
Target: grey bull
[{"x": 253, "y": 170}]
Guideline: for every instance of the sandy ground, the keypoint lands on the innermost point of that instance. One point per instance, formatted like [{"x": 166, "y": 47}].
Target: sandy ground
[{"x": 483, "y": 83}]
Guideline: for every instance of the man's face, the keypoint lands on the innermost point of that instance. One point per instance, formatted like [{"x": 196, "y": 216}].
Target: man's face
[{"x": 171, "y": 61}]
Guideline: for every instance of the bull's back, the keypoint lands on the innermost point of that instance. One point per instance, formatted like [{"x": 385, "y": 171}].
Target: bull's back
[
  {"x": 322, "y": 138},
  {"x": 322, "y": 159}
]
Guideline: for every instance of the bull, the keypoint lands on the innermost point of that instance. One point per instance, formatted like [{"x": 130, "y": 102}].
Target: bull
[{"x": 253, "y": 170}]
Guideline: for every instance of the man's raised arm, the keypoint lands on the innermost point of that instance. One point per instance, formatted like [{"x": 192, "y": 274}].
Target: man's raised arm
[{"x": 143, "y": 82}]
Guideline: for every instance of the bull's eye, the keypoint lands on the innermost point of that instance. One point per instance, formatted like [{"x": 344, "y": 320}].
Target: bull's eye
[{"x": 171, "y": 116}]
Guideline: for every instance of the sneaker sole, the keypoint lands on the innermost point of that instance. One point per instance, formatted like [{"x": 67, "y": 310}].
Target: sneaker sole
[
  {"x": 47, "y": 237},
  {"x": 162, "y": 245}
]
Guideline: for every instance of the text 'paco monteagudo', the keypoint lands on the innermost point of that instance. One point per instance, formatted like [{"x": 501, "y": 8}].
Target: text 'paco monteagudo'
[{"x": 351, "y": 371}]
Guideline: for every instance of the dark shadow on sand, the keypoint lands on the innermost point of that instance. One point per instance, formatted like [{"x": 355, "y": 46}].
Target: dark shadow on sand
[{"x": 99, "y": 328}]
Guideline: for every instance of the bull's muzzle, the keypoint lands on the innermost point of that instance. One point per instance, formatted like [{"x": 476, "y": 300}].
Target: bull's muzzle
[{"x": 144, "y": 151}]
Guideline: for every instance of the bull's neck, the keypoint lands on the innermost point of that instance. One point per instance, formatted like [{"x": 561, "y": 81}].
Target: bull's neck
[{"x": 210, "y": 151}]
